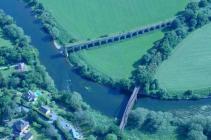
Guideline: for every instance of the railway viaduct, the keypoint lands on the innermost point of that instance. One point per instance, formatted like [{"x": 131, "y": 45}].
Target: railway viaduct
[{"x": 115, "y": 37}]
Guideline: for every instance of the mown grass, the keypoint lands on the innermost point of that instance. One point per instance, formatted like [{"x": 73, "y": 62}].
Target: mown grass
[
  {"x": 93, "y": 18},
  {"x": 118, "y": 60},
  {"x": 189, "y": 67}
]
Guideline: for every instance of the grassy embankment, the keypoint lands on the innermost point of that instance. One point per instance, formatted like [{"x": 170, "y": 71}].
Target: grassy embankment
[
  {"x": 189, "y": 66},
  {"x": 105, "y": 17}
]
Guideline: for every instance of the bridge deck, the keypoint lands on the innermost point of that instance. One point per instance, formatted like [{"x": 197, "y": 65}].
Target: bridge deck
[
  {"x": 116, "y": 37},
  {"x": 128, "y": 108}
]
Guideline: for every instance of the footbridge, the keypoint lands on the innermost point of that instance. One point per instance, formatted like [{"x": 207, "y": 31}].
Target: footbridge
[
  {"x": 116, "y": 37},
  {"x": 128, "y": 108}
]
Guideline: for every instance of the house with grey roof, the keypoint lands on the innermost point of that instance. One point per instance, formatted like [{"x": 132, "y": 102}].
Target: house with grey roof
[
  {"x": 30, "y": 96},
  {"x": 21, "y": 127},
  {"x": 45, "y": 110}
]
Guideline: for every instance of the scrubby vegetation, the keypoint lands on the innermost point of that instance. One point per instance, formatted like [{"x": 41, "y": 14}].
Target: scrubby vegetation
[{"x": 190, "y": 127}]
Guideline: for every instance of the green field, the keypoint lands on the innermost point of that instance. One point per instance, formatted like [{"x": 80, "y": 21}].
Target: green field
[
  {"x": 189, "y": 67},
  {"x": 85, "y": 19},
  {"x": 117, "y": 60}
]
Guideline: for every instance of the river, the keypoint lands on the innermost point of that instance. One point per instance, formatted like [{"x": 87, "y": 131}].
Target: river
[{"x": 104, "y": 99}]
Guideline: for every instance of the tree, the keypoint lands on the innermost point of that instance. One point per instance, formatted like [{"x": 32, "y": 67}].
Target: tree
[
  {"x": 176, "y": 24},
  {"x": 7, "y": 132},
  {"x": 3, "y": 81},
  {"x": 192, "y": 24},
  {"x": 91, "y": 137},
  {"x": 165, "y": 48},
  {"x": 85, "y": 119},
  {"x": 203, "y": 3},
  {"x": 153, "y": 122},
  {"x": 54, "y": 32},
  {"x": 196, "y": 135},
  {"x": 14, "y": 82},
  {"x": 202, "y": 19},
  {"x": 137, "y": 117},
  {"x": 7, "y": 110},
  {"x": 13, "y": 32},
  {"x": 189, "y": 14},
  {"x": 50, "y": 131},
  {"x": 193, "y": 6},
  {"x": 125, "y": 84},
  {"x": 143, "y": 76},
  {"x": 181, "y": 33},
  {"x": 111, "y": 137},
  {"x": 72, "y": 100}
]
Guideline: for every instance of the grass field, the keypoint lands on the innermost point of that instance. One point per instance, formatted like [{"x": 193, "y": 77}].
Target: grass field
[
  {"x": 189, "y": 67},
  {"x": 117, "y": 60},
  {"x": 84, "y": 19}
]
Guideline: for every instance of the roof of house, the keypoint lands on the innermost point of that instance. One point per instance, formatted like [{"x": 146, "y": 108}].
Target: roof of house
[
  {"x": 27, "y": 136},
  {"x": 29, "y": 95},
  {"x": 44, "y": 109},
  {"x": 21, "y": 124}
]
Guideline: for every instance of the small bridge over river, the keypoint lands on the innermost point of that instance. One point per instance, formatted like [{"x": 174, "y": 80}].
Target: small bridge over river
[
  {"x": 115, "y": 37},
  {"x": 128, "y": 108}
]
